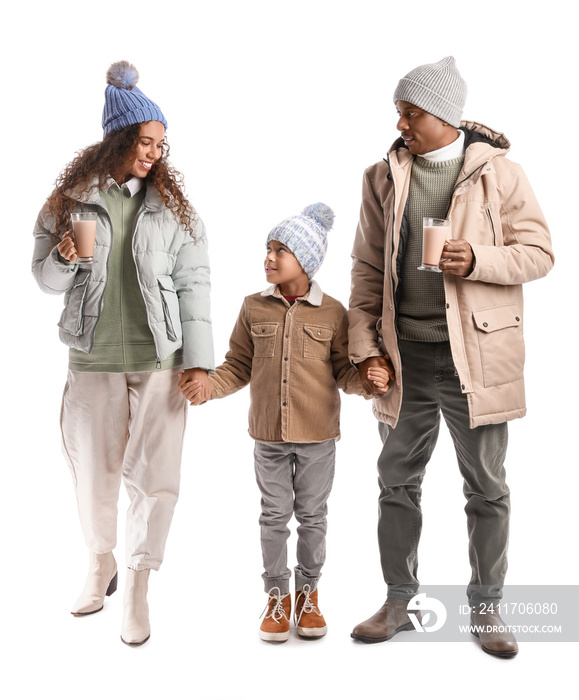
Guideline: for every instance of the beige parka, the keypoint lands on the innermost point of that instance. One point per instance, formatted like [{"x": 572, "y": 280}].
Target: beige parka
[{"x": 493, "y": 207}]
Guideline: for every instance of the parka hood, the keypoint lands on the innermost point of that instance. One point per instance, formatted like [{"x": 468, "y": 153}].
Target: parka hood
[{"x": 474, "y": 133}]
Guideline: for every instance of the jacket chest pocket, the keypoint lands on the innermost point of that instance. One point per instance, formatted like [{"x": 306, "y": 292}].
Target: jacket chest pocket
[
  {"x": 501, "y": 345},
  {"x": 71, "y": 319},
  {"x": 170, "y": 304},
  {"x": 317, "y": 342},
  {"x": 263, "y": 335}
]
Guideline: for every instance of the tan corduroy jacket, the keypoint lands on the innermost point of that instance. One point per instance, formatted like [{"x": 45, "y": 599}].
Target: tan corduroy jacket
[
  {"x": 294, "y": 358},
  {"x": 493, "y": 207}
]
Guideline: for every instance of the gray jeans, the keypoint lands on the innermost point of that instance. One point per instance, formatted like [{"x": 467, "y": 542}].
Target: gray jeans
[
  {"x": 431, "y": 386},
  {"x": 294, "y": 479}
]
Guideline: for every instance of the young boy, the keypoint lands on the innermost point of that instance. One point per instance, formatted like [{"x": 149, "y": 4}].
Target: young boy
[{"x": 290, "y": 343}]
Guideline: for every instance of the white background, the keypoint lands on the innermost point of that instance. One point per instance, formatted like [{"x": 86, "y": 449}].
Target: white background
[{"x": 272, "y": 106}]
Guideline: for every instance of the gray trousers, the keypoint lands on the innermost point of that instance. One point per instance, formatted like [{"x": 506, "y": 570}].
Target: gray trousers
[
  {"x": 431, "y": 385},
  {"x": 294, "y": 479}
]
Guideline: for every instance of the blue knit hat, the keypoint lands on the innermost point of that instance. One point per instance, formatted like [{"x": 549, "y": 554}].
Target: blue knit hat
[
  {"x": 125, "y": 104},
  {"x": 306, "y": 235}
]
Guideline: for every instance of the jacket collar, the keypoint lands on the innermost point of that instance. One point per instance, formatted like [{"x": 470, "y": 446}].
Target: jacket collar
[
  {"x": 314, "y": 296},
  {"x": 90, "y": 195}
]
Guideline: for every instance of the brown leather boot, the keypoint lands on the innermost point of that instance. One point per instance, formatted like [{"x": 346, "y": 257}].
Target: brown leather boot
[
  {"x": 276, "y": 623},
  {"x": 307, "y": 617},
  {"x": 388, "y": 621},
  {"x": 495, "y": 637}
]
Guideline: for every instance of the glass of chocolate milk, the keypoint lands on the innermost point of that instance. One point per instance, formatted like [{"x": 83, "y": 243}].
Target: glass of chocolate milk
[
  {"x": 435, "y": 233},
  {"x": 84, "y": 228}
]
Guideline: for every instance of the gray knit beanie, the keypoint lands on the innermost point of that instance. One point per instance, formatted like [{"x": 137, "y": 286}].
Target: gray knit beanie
[
  {"x": 437, "y": 88},
  {"x": 306, "y": 235},
  {"x": 125, "y": 104}
]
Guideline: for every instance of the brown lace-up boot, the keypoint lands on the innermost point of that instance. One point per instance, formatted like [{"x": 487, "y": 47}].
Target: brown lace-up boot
[
  {"x": 276, "y": 623},
  {"x": 307, "y": 617}
]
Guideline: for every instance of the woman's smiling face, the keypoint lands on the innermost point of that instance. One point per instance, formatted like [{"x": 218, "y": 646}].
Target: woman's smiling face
[{"x": 148, "y": 150}]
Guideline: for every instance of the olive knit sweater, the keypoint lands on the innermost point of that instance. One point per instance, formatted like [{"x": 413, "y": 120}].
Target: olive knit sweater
[
  {"x": 421, "y": 311},
  {"x": 123, "y": 339}
]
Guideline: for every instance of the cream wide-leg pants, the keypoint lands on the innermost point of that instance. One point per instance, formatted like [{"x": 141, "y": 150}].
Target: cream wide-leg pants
[{"x": 128, "y": 427}]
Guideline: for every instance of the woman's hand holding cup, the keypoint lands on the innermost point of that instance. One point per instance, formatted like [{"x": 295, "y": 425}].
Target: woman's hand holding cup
[{"x": 66, "y": 247}]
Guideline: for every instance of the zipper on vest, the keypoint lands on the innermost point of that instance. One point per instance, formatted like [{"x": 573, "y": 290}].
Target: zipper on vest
[
  {"x": 138, "y": 217},
  {"x": 107, "y": 215}
]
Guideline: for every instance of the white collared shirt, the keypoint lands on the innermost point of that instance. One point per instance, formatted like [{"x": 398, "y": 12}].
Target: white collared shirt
[{"x": 134, "y": 185}]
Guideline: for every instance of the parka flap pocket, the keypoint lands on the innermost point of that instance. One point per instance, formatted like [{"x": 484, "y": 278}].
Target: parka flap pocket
[
  {"x": 317, "y": 342},
  {"x": 71, "y": 319},
  {"x": 263, "y": 335},
  {"x": 501, "y": 346},
  {"x": 489, "y": 320}
]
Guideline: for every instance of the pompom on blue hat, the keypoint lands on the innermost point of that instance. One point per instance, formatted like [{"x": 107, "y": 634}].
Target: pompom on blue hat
[
  {"x": 306, "y": 235},
  {"x": 125, "y": 104}
]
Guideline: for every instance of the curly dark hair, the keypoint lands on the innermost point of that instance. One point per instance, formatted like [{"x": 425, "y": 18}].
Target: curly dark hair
[{"x": 110, "y": 157}]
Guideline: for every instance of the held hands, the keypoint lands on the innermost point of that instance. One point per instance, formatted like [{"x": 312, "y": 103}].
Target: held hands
[
  {"x": 66, "y": 247},
  {"x": 458, "y": 258},
  {"x": 376, "y": 373},
  {"x": 194, "y": 385},
  {"x": 380, "y": 377}
]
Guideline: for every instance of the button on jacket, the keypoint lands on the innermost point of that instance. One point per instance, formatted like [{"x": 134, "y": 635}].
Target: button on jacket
[
  {"x": 492, "y": 207},
  {"x": 294, "y": 358}
]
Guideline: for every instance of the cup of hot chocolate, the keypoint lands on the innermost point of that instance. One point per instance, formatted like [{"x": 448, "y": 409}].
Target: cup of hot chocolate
[
  {"x": 84, "y": 231},
  {"x": 435, "y": 233}
]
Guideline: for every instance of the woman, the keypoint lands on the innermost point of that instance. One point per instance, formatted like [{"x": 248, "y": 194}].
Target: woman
[{"x": 133, "y": 319}]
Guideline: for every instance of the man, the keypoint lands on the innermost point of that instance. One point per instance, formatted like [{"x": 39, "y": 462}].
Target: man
[{"x": 453, "y": 342}]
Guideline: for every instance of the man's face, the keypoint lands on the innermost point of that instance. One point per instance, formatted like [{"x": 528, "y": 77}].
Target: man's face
[{"x": 422, "y": 132}]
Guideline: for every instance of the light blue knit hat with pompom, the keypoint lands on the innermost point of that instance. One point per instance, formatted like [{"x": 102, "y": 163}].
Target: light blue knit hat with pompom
[
  {"x": 306, "y": 235},
  {"x": 125, "y": 104}
]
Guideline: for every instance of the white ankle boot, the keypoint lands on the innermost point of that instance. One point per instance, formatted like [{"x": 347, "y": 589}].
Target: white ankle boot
[
  {"x": 100, "y": 582},
  {"x": 136, "y": 630}
]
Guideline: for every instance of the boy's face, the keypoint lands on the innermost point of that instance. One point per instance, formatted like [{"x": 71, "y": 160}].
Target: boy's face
[{"x": 282, "y": 266}]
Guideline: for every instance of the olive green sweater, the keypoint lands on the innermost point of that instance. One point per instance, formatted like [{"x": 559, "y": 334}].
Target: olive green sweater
[
  {"x": 422, "y": 315},
  {"x": 123, "y": 339}
]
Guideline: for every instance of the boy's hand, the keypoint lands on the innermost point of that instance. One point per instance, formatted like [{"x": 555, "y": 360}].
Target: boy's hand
[
  {"x": 375, "y": 363},
  {"x": 380, "y": 377},
  {"x": 195, "y": 386}
]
